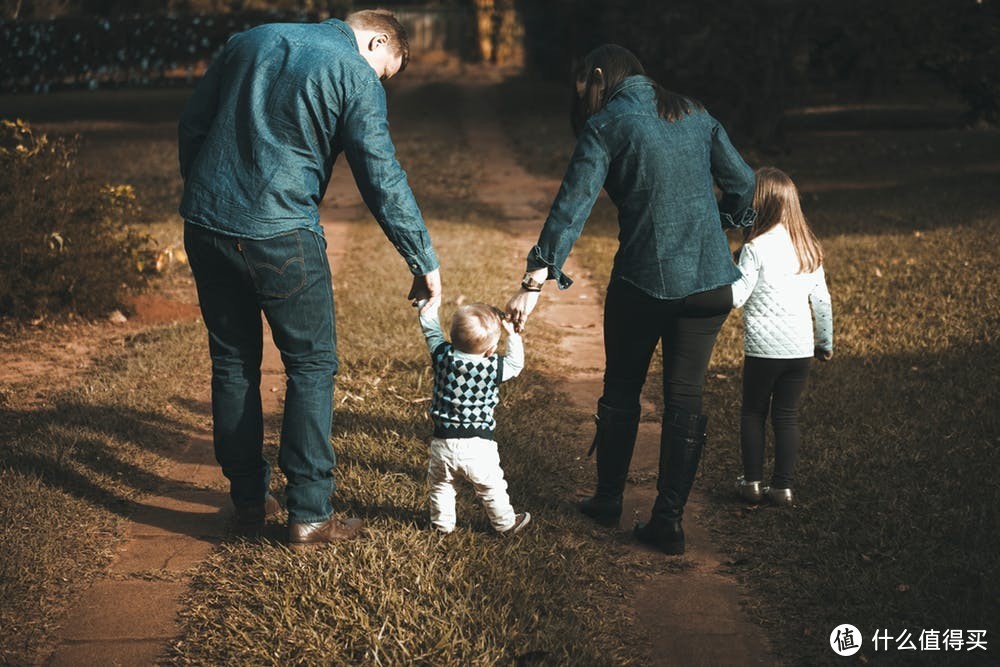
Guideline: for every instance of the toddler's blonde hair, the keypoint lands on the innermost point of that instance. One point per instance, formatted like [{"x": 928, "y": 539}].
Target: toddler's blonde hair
[{"x": 475, "y": 328}]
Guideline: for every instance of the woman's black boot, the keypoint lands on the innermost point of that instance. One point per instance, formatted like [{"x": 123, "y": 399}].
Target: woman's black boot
[
  {"x": 681, "y": 443},
  {"x": 614, "y": 442}
]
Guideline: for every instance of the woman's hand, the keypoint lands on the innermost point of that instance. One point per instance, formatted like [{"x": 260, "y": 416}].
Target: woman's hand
[{"x": 520, "y": 306}]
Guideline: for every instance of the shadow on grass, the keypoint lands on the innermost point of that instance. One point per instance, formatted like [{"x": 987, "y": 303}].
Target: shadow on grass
[
  {"x": 106, "y": 455},
  {"x": 897, "y": 510}
]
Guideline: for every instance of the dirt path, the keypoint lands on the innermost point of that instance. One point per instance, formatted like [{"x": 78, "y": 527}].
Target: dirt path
[
  {"x": 130, "y": 616},
  {"x": 691, "y": 616}
]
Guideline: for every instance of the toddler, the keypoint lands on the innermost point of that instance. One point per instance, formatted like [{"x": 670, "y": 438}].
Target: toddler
[
  {"x": 467, "y": 376},
  {"x": 782, "y": 266}
]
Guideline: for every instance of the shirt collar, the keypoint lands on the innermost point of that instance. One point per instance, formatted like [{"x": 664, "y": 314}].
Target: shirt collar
[
  {"x": 344, "y": 28},
  {"x": 630, "y": 83}
]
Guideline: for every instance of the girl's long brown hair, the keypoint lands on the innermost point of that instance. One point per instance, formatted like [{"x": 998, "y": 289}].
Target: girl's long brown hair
[
  {"x": 776, "y": 200},
  {"x": 617, "y": 64}
]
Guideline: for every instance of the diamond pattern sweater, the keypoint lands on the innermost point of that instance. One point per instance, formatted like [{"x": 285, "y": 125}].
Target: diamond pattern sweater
[{"x": 466, "y": 386}]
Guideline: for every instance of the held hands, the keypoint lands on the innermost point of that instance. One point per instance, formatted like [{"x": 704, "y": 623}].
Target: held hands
[
  {"x": 823, "y": 355},
  {"x": 507, "y": 325},
  {"x": 519, "y": 308},
  {"x": 425, "y": 293}
]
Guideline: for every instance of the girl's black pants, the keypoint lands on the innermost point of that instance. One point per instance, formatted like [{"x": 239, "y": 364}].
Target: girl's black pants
[{"x": 774, "y": 385}]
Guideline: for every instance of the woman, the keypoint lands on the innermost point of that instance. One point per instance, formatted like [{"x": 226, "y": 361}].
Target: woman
[{"x": 657, "y": 154}]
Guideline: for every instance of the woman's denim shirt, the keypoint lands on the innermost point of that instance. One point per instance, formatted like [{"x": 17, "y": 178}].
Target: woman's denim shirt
[
  {"x": 659, "y": 174},
  {"x": 262, "y": 130}
]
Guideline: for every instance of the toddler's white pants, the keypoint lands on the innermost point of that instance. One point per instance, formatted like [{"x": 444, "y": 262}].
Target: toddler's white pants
[{"x": 475, "y": 460}]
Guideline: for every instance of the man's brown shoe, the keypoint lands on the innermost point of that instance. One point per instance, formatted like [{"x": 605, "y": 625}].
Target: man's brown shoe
[{"x": 333, "y": 529}]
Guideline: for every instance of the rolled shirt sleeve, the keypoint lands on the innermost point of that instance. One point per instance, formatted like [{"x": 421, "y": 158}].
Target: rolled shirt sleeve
[
  {"x": 585, "y": 176},
  {"x": 736, "y": 180},
  {"x": 381, "y": 180}
]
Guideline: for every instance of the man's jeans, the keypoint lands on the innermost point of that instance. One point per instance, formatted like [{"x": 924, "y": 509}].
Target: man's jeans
[{"x": 288, "y": 279}]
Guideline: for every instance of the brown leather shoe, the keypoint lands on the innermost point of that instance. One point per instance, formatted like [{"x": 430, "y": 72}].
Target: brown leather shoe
[{"x": 333, "y": 529}]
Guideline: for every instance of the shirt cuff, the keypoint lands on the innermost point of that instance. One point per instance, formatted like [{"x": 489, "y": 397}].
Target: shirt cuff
[
  {"x": 744, "y": 218},
  {"x": 423, "y": 263},
  {"x": 536, "y": 261}
]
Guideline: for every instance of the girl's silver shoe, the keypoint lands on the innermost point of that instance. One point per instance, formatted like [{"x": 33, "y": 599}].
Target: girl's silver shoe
[
  {"x": 752, "y": 492},
  {"x": 779, "y": 496}
]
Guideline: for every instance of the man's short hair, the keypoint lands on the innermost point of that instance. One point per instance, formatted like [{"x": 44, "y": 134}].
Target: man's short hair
[
  {"x": 475, "y": 328},
  {"x": 382, "y": 20}
]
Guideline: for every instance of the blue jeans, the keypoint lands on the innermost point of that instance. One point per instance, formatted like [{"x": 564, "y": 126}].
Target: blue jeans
[{"x": 288, "y": 279}]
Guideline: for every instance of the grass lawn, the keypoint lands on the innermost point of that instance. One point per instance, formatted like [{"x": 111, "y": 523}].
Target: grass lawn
[
  {"x": 896, "y": 526},
  {"x": 75, "y": 458},
  {"x": 405, "y": 594}
]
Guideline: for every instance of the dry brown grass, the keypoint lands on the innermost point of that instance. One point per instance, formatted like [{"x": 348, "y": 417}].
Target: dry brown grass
[
  {"x": 407, "y": 595},
  {"x": 75, "y": 459},
  {"x": 897, "y": 516},
  {"x": 403, "y": 595},
  {"x": 897, "y": 520}
]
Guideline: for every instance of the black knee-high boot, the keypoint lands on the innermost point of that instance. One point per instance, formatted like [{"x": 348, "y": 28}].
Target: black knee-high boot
[
  {"x": 614, "y": 442},
  {"x": 681, "y": 443}
]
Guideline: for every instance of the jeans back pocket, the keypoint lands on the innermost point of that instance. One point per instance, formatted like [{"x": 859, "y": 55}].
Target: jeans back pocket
[{"x": 277, "y": 265}]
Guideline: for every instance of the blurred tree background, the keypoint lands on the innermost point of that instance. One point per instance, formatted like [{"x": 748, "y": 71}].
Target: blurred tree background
[{"x": 748, "y": 60}]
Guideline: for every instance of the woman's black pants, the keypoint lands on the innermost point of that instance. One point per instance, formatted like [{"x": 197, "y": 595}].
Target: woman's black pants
[
  {"x": 776, "y": 385},
  {"x": 635, "y": 322}
]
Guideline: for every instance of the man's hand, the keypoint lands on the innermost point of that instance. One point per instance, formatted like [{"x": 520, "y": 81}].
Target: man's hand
[
  {"x": 426, "y": 288},
  {"x": 520, "y": 306}
]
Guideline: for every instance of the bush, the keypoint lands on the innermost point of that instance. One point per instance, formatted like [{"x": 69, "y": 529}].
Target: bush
[{"x": 67, "y": 247}]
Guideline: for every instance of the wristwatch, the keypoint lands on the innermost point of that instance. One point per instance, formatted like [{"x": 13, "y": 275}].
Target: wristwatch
[{"x": 530, "y": 284}]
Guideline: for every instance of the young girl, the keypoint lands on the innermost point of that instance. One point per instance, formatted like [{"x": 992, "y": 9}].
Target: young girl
[{"x": 782, "y": 266}]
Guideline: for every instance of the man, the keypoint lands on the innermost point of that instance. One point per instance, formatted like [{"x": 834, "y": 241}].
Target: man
[{"x": 257, "y": 142}]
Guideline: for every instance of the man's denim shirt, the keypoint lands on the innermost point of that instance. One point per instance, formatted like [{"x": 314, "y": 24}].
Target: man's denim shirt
[
  {"x": 659, "y": 174},
  {"x": 262, "y": 130}
]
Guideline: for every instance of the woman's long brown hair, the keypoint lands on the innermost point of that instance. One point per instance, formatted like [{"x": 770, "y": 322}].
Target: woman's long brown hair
[
  {"x": 617, "y": 64},
  {"x": 776, "y": 200}
]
